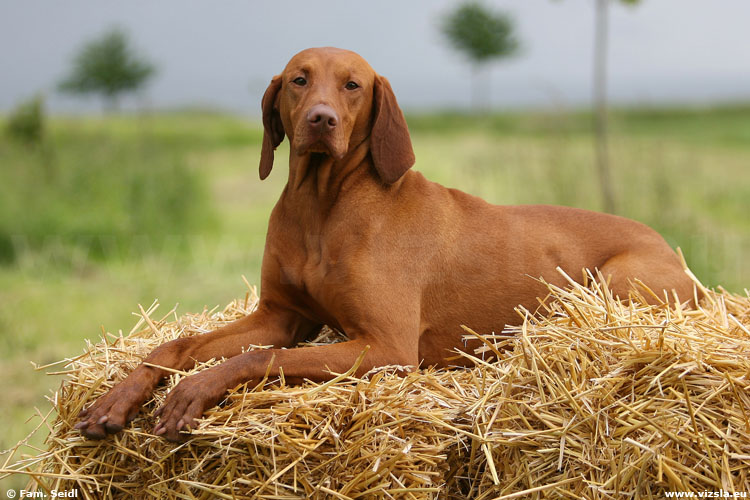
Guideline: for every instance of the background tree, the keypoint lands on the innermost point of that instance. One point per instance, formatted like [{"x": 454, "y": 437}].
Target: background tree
[
  {"x": 601, "y": 38},
  {"x": 482, "y": 35},
  {"x": 108, "y": 66}
]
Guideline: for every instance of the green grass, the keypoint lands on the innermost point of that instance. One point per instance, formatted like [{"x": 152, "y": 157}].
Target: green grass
[
  {"x": 726, "y": 125},
  {"x": 176, "y": 211},
  {"x": 99, "y": 190}
]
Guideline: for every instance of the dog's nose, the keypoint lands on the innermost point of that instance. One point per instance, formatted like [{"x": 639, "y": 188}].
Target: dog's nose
[{"x": 322, "y": 117}]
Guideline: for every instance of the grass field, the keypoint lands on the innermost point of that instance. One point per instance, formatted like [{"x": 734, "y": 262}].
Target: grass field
[{"x": 118, "y": 211}]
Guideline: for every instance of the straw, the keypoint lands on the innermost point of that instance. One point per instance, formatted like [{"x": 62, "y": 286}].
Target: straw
[{"x": 597, "y": 399}]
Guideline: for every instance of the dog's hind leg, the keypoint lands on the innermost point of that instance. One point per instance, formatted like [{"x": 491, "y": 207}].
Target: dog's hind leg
[{"x": 658, "y": 269}]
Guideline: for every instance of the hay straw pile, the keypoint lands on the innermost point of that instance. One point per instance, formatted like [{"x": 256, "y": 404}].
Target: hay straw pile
[{"x": 598, "y": 399}]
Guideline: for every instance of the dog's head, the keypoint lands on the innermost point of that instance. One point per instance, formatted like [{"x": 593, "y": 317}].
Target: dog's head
[{"x": 330, "y": 100}]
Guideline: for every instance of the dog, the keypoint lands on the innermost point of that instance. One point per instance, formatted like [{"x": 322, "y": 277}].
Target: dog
[{"x": 362, "y": 243}]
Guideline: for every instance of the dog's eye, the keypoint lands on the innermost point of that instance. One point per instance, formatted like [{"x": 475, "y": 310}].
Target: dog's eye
[
  {"x": 351, "y": 86},
  {"x": 299, "y": 81}
]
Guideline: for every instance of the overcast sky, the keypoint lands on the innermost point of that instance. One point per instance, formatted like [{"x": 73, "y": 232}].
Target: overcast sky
[{"x": 221, "y": 54}]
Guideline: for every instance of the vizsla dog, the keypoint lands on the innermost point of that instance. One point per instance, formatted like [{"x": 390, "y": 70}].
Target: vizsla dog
[{"x": 360, "y": 242}]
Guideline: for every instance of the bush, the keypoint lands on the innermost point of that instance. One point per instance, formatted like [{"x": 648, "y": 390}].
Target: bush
[{"x": 26, "y": 121}]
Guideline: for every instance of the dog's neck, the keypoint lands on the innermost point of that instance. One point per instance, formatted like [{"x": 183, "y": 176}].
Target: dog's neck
[{"x": 323, "y": 177}]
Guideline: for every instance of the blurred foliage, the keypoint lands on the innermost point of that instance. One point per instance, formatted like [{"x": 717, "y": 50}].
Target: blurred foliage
[
  {"x": 95, "y": 191},
  {"x": 722, "y": 125},
  {"x": 109, "y": 66},
  {"x": 480, "y": 33},
  {"x": 26, "y": 121}
]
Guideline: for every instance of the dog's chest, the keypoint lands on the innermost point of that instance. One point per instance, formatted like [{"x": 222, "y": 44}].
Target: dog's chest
[
  {"x": 321, "y": 258},
  {"x": 307, "y": 258}
]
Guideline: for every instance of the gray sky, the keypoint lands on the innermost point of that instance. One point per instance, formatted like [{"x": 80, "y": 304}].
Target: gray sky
[{"x": 222, "y": 54}]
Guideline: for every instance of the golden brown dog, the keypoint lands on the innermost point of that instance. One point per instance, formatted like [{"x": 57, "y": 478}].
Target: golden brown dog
[{"x": 360, "y": 242}]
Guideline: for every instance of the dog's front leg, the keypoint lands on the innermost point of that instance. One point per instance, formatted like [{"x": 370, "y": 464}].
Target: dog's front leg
[
  {"x": 195, "y": 394},
  {"x": 267, "y": 326}
]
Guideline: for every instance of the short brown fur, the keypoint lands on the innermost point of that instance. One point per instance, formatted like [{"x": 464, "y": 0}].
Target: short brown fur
[{"x": 360, "y": 242}]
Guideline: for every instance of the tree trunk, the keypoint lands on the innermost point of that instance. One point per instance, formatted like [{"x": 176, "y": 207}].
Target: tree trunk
[
  {"x": 111, "y": 104},
  {"x": 600, "y": 105},
  {"x": 475, "y": 87},
  {"x": 480, "y": 88}
]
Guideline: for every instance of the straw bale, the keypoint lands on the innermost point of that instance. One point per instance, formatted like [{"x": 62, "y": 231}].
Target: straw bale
[{"x": 595, "y": 398}]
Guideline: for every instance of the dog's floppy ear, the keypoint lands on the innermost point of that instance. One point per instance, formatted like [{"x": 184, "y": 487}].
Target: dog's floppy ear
[
  {"x": 273, "y": 129},
  {"x": 390, "y": 143}
]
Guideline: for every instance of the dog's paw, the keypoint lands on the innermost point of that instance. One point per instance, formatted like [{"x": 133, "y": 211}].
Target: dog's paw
[
  {"x": 186, "y": 403},
  {"x": 110, "y": 413}
]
